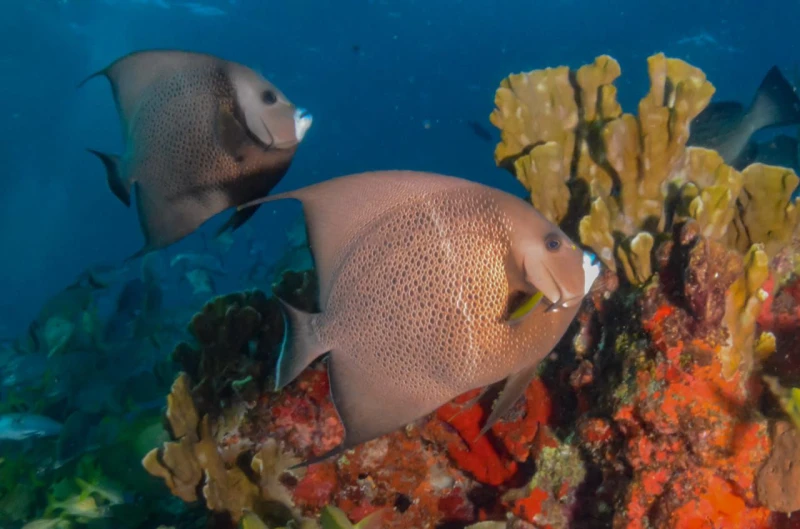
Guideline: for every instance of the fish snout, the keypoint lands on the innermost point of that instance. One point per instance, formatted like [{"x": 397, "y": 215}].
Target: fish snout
[
  {"x": 564, "y": 304},
  {"x": 571, "y": 293},
  {"x": 302, "y": 122},
  {"x": 287, "y": 126}
]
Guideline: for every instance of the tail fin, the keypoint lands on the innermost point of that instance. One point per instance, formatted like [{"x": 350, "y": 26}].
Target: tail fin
[
  {"x": 300, "y": 345},
  {"x": 118, "y": 186},
  {"x": 776, "y": 103}
]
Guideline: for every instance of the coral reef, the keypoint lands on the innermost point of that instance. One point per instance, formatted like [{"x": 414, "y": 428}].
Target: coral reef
[
  {"x": 672, "y": 404},
  {"x": 626, "y": 179},
  {"x": 670, "y": 412}
]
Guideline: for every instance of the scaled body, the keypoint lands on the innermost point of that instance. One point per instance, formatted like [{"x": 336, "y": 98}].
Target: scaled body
[
  {"x": 201, "y": 135},
  {"x": 419, "y": 274}
]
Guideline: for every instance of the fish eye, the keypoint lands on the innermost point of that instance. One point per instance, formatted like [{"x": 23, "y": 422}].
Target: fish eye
[
  {"x": 269, "y": 97},
  {"x": 552, "y": 242}
]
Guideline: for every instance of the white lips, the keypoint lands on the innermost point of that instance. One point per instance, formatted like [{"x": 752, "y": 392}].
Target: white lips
[
  {"x": 302, "y": 122},
  {"x": 591, "y": 270}
]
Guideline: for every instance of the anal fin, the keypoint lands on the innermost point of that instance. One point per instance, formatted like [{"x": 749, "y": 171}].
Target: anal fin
[
  {"x": 118, "y": 186},
  {"x": 514, "y": 388}
]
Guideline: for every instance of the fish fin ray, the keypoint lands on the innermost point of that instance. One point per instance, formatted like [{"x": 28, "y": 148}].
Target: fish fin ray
[
  {"x": 237, "y": 220},
  {"x": 776, "y": 103},
  {"x": 118, "y": 186},
  {"x": 470, "y": 403},
  {"x": 514, "y": 388},
  {"x": 330, "y": 454},
  {"x": 142, "y": 211},
  {"x": 88, "y": 78},
  {"x": 300, "y": 345},
  {"x": 259, "y": 201}
]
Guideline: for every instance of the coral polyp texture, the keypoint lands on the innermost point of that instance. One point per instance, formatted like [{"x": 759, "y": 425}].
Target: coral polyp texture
[{"x": 673, "y": 402}]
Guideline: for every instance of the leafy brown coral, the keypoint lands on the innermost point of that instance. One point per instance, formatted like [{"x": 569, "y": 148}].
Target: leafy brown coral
[
  {"x": 193, "y": 462},
  {"x": 627, "y": 178}
]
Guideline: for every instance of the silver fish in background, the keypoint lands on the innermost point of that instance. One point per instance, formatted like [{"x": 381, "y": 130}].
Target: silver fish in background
[
  {"x": 21, "y": 426},
  {"x": 726, "y": 126},
  {"x": 420, "y": 278},
  {"x": 201, "y": 135}
]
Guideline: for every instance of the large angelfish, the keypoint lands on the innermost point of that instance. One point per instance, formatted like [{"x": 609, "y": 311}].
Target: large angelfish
[
  {"x": 429, "y": 286},
  {"x": 201, "y": 135}
]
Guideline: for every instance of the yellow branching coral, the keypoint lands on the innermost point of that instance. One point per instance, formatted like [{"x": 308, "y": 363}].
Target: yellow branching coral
[
  {"x": 194, "y": 459},
  {"x": 768, "y": 213},
  {"x": 542, "y": 172},
  {"x": 535, "y": 108},
  {"x": 634, "y": 254},
  {"x": 627, "y": 177},
  {"x": 709, "y": 193},
  {"x": 743, "y": 303}
]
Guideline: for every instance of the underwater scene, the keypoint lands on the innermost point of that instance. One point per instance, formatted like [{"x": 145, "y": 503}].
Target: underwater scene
[{"x": 399, "y": 264}]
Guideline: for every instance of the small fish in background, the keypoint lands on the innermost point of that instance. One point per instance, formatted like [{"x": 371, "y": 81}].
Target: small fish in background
[
  {"x": 48, "y": 523},
  {"x": 198, "y": 270},
  {"x": 188, "y": 260},
  {"x": 294, "y": 255},
  {"x": 138, "y": 306},
  {"x": 68, "y": 318},
  {"x": 424, "y": 303},
  {"x": 24, "y": 369},
  {"x": 133, "y": 302},
  {"x": 480, "y": 131},
  {"x": 101, "y": 277},
  {"x": 727, "y": 127},
  {"x": 201, "y": 135},
  {"x": 22, "y": 426},
  {"x": 201, "y": 282}
]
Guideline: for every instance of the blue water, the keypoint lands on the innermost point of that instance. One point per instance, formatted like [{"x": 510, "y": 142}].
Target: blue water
[{"x": 434, "y": 62}]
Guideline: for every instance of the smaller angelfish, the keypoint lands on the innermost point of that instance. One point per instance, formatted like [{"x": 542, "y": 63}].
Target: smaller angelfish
[
  {"x": 201, "y": 135},
  {"x": 21, "y": 426}
]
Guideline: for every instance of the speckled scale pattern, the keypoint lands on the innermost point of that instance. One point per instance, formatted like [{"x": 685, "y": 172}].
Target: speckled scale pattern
[
  {"x": 403, "y": 322},
  {"x": 175, "y": 120}
]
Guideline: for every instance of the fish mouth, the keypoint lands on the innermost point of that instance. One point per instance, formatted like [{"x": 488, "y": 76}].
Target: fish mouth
[
  {"x": 302, "y": 122},
  {"x": 591, "y": 270}
]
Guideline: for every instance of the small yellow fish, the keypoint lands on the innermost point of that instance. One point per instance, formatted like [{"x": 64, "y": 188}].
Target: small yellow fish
[
  {"x": 250, "y": 520},
  {"x": 47, "y": 523},
  {"x": 334, "y": 518},
  {"x": 80, "y": 506}
]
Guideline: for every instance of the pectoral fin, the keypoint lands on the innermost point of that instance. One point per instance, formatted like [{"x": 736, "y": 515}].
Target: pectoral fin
[
  {"x": 515, "y": 387},
  {"x": 236, "y": 221}
]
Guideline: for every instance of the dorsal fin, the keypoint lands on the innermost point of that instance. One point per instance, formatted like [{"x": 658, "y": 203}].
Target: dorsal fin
[
  {"x": 133, "y": 74},
  {"x": 337, "y": 210}
]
